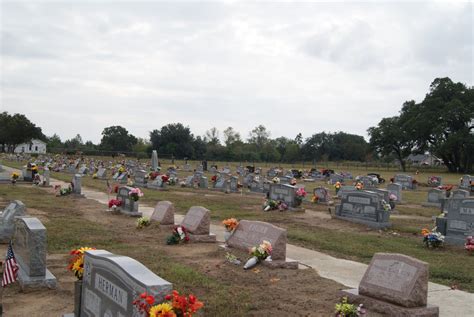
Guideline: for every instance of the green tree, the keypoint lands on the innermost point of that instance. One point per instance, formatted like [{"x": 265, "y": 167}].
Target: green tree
[
  {"x": 75, "y": 143},
  {"x": 392, "y": 138},
  {"x": 16, "y": 129},
  {"x": 117, "y": 138},
  {"x": 259, "y": 136},
  {"x": 175, "y": 139},
  {"x": 54, "y": 142},
  {"x": 212, "y": 136},
  {"x": 443, "y": 123},
  {"x": 231, "y": 136}
]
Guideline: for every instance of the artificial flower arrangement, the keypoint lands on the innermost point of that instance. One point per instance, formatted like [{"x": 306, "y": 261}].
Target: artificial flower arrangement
[
  {"x": 76, "y": 263},
  {"x": 469, "y": 245},
  {"x": 135, "y": 193},
  {"x": 14, "y": 177},
  {"x": 345, "y": 309},
  {"x": 359, "y": 186},
  {"x": 115, "y": 202},
  {"x": 386, "y": 206},
  {"x": 65, "y": 191},
  {"x": 116, "y": 188},
  {"x": 165, "y": 178},
  {"x": 94, "y": 176},
  {"x": 121, "y": 170},
  {"x": 271, "y": 204},
  {"x": 214, "y": 178},
  {"x": 143, "y": 222},
  {"x": 433, "y": 238},
  {"x": 34, "y": 168},
  {"x": 276, "y": 180},
  {"x": 175, "y": 305},
  {"x": 259, "y": 253},
  {"x": 230, "y": 224},
  {"x": 300, "y": 195},
  {"x": 337, "y": 186},
  {"x": 153, "y": 175},
  {"x": 180, "y": 234},
  {"x": 293, "y": 181},
  {"x": 315, "y": 199}
]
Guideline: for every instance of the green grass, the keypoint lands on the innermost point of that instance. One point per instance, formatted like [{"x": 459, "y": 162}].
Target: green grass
[{"x": 449, "y": 265}]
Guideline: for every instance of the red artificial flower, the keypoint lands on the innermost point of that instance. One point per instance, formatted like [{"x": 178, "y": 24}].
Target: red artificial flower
[
  {"x": 150, "y": 299},
  {"x": 164, "y": 178}
]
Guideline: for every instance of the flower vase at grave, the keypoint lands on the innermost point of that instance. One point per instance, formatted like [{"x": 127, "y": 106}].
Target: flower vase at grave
[
  {"x": 251, "y": 263},
  {"x": 227, "y": 235},
  {"x": 77, "y": 297}
]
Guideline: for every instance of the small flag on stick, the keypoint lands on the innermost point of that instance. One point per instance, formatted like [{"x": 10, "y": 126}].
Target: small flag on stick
[{"x": 10, "y": 270}]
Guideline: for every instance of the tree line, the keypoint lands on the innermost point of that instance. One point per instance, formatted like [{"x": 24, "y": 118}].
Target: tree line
[{"x": 441, "y": 124}]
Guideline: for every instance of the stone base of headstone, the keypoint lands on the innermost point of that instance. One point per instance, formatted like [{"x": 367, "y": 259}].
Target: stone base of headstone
[
  {"x": 455, "y": 240},
  {"x": 202, "y": 238},
  {"x": 167, "y": 227},
  {"x": 131, "y": 213},
  {"x": 372, "y": 224},
  {"x": 386, "y": 308},
  {"x": 293, "y": 265},
  {"x": 69, "y": 315},
  {"x": 36, "y": 282},
  {"x": 427, "y": 204}
]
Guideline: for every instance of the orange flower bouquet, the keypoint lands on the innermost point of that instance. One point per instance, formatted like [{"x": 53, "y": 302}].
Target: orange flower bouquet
[
  {"x": 230, "y": 224},
  {"x": 175, "y": 305},
  {"x": 76, "y": 264}
]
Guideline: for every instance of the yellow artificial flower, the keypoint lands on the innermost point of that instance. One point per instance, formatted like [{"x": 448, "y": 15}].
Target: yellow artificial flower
[
  {"x": 78, "y": 266},
  {"x": 84, "y": 249},
  {"x": 162, "y": 310}
]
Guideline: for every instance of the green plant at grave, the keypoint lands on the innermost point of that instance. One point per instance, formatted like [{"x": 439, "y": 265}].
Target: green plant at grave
[
  {"x": 143, "y": 222},
  {"x": 345, "y": 309}
]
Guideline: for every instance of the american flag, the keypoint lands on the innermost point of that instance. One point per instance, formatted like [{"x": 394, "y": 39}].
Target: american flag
[{"x": 10, "y": 271}]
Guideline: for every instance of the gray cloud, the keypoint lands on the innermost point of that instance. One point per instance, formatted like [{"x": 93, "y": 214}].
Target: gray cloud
[{"x": 77, "y": 67}]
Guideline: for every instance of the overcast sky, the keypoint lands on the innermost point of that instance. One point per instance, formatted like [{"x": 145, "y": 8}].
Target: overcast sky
[{"x": 79, "y": 66}]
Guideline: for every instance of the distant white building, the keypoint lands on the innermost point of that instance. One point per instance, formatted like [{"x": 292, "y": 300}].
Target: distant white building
[
  {"x": 32, "y": 147},
  {"x": 424, "y": 159}
]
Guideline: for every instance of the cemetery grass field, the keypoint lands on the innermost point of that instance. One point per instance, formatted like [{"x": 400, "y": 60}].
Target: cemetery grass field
[
  {"x": 315, "y": 230},
  {"x": 226, "y": 289}
]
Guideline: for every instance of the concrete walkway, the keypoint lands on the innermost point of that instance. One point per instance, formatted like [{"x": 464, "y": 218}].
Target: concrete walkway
[{"x": 349, "y": 273}]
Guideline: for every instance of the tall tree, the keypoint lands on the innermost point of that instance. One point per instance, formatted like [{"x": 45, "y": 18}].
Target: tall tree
[
  {"x": 16, "y": 129},
  {"x": 259, "y": 136},
  {"x": 212, "y": 136},
  {"x": 231, "y": 136},
  {"x": 443, "y": 123},
  {"x": 391, "y": 137},
  {"x": 117, "y": 138},
  {"x": 173, "y": 138}
]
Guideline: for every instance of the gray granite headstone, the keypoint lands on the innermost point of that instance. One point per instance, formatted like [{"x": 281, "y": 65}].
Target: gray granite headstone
[
  {"x": 252, "y": 233},
  {"x": 460, "y": 193},
  {"x": 344, "y": 190},
  {"x": 129, "y": 206},
  {"x": 396, "y": 285},
  {"x": 220, "y": 181},
  {"x": 112, "y": 282},
  {"x": 435, "y": 197},
  {"x": 283, "y": 192},
  {"x": 405, "y": 180},
  {"x": 334, "y": 178},
  {"x": 163, "y": 213},
  {"x": 466, "y": 181},
  {"x": 30, "y": 247},
  {"x": 365, "y": 208},
  {"x": 395, "y": 189},
  {"x": 322, "y": 193},
  {"x": 203, "y": 183},
  {"x": 140, "y": 178},
  {"x": 7, "y": 220},
  {"x": 154, "y": 160},
  {"x": 197, "y": 220},
  {"x": 459, "y": 220},
  {"x": 46, "y": 176},
  {"x": 77, "y": 180}
]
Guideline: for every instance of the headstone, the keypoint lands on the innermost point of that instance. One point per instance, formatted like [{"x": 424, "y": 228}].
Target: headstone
[
  {"x": 140, "y": 178},
  {"x": 82, "y": 170},
  {"x": 248, "y": 179},
  {"x": 163, "y": 213},
  {"x": 7, "y": 220},
  {"x": 226, "y": 170},
  {"x": 129, "y": 206},
  {"x": 76, "y": 181},
  {"x": 365, "y": 208},
  {"x": 285, "y": 179},
  {"x": 233, "y": 183},
  {"x": 322, "y": 194},
  {"x": 466, "y": 182},
  {"x": 197, "y": 220},
  {"x": 101, "y": 173},
  {"x": 272, "y": 173},
  {"x": 220, "y": 181},
  {"x": 395, "y": 189},
  {"x": 283, "y": 192},
  {"x": 112, "y": 282},
  {"x": 187, "y": 167},
  {"x": 46, "y": 177},
  {"x": 458, "y": 223},
  {"x": 405, "y": 180},
  {"x": 154, "y": 161},
  {"x": 213, "y": 170},
  {"x": 251, "y": 233},
  {"x": 256, "y": 186},
  {"x": 396, "y": 285},
  {"x": 460, "y": 193},
  {"x": 30, "y": 247},
  {"x": 334, "y": 178},
  {"x": 203, "y": 183},
  {"x": 189, "y": 181},
  {"x": 367, "y": 181},
  {"x": 384, "y": 194},
  {"x": 344, "y": 190},
  {"x": 435, "y": 198},
  {"x": 122, "y": 178}
]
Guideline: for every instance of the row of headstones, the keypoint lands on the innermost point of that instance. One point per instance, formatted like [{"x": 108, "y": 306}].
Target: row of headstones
[
  {"x": 29, "y": 246},
  {"x": 437, "y": 197}
]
